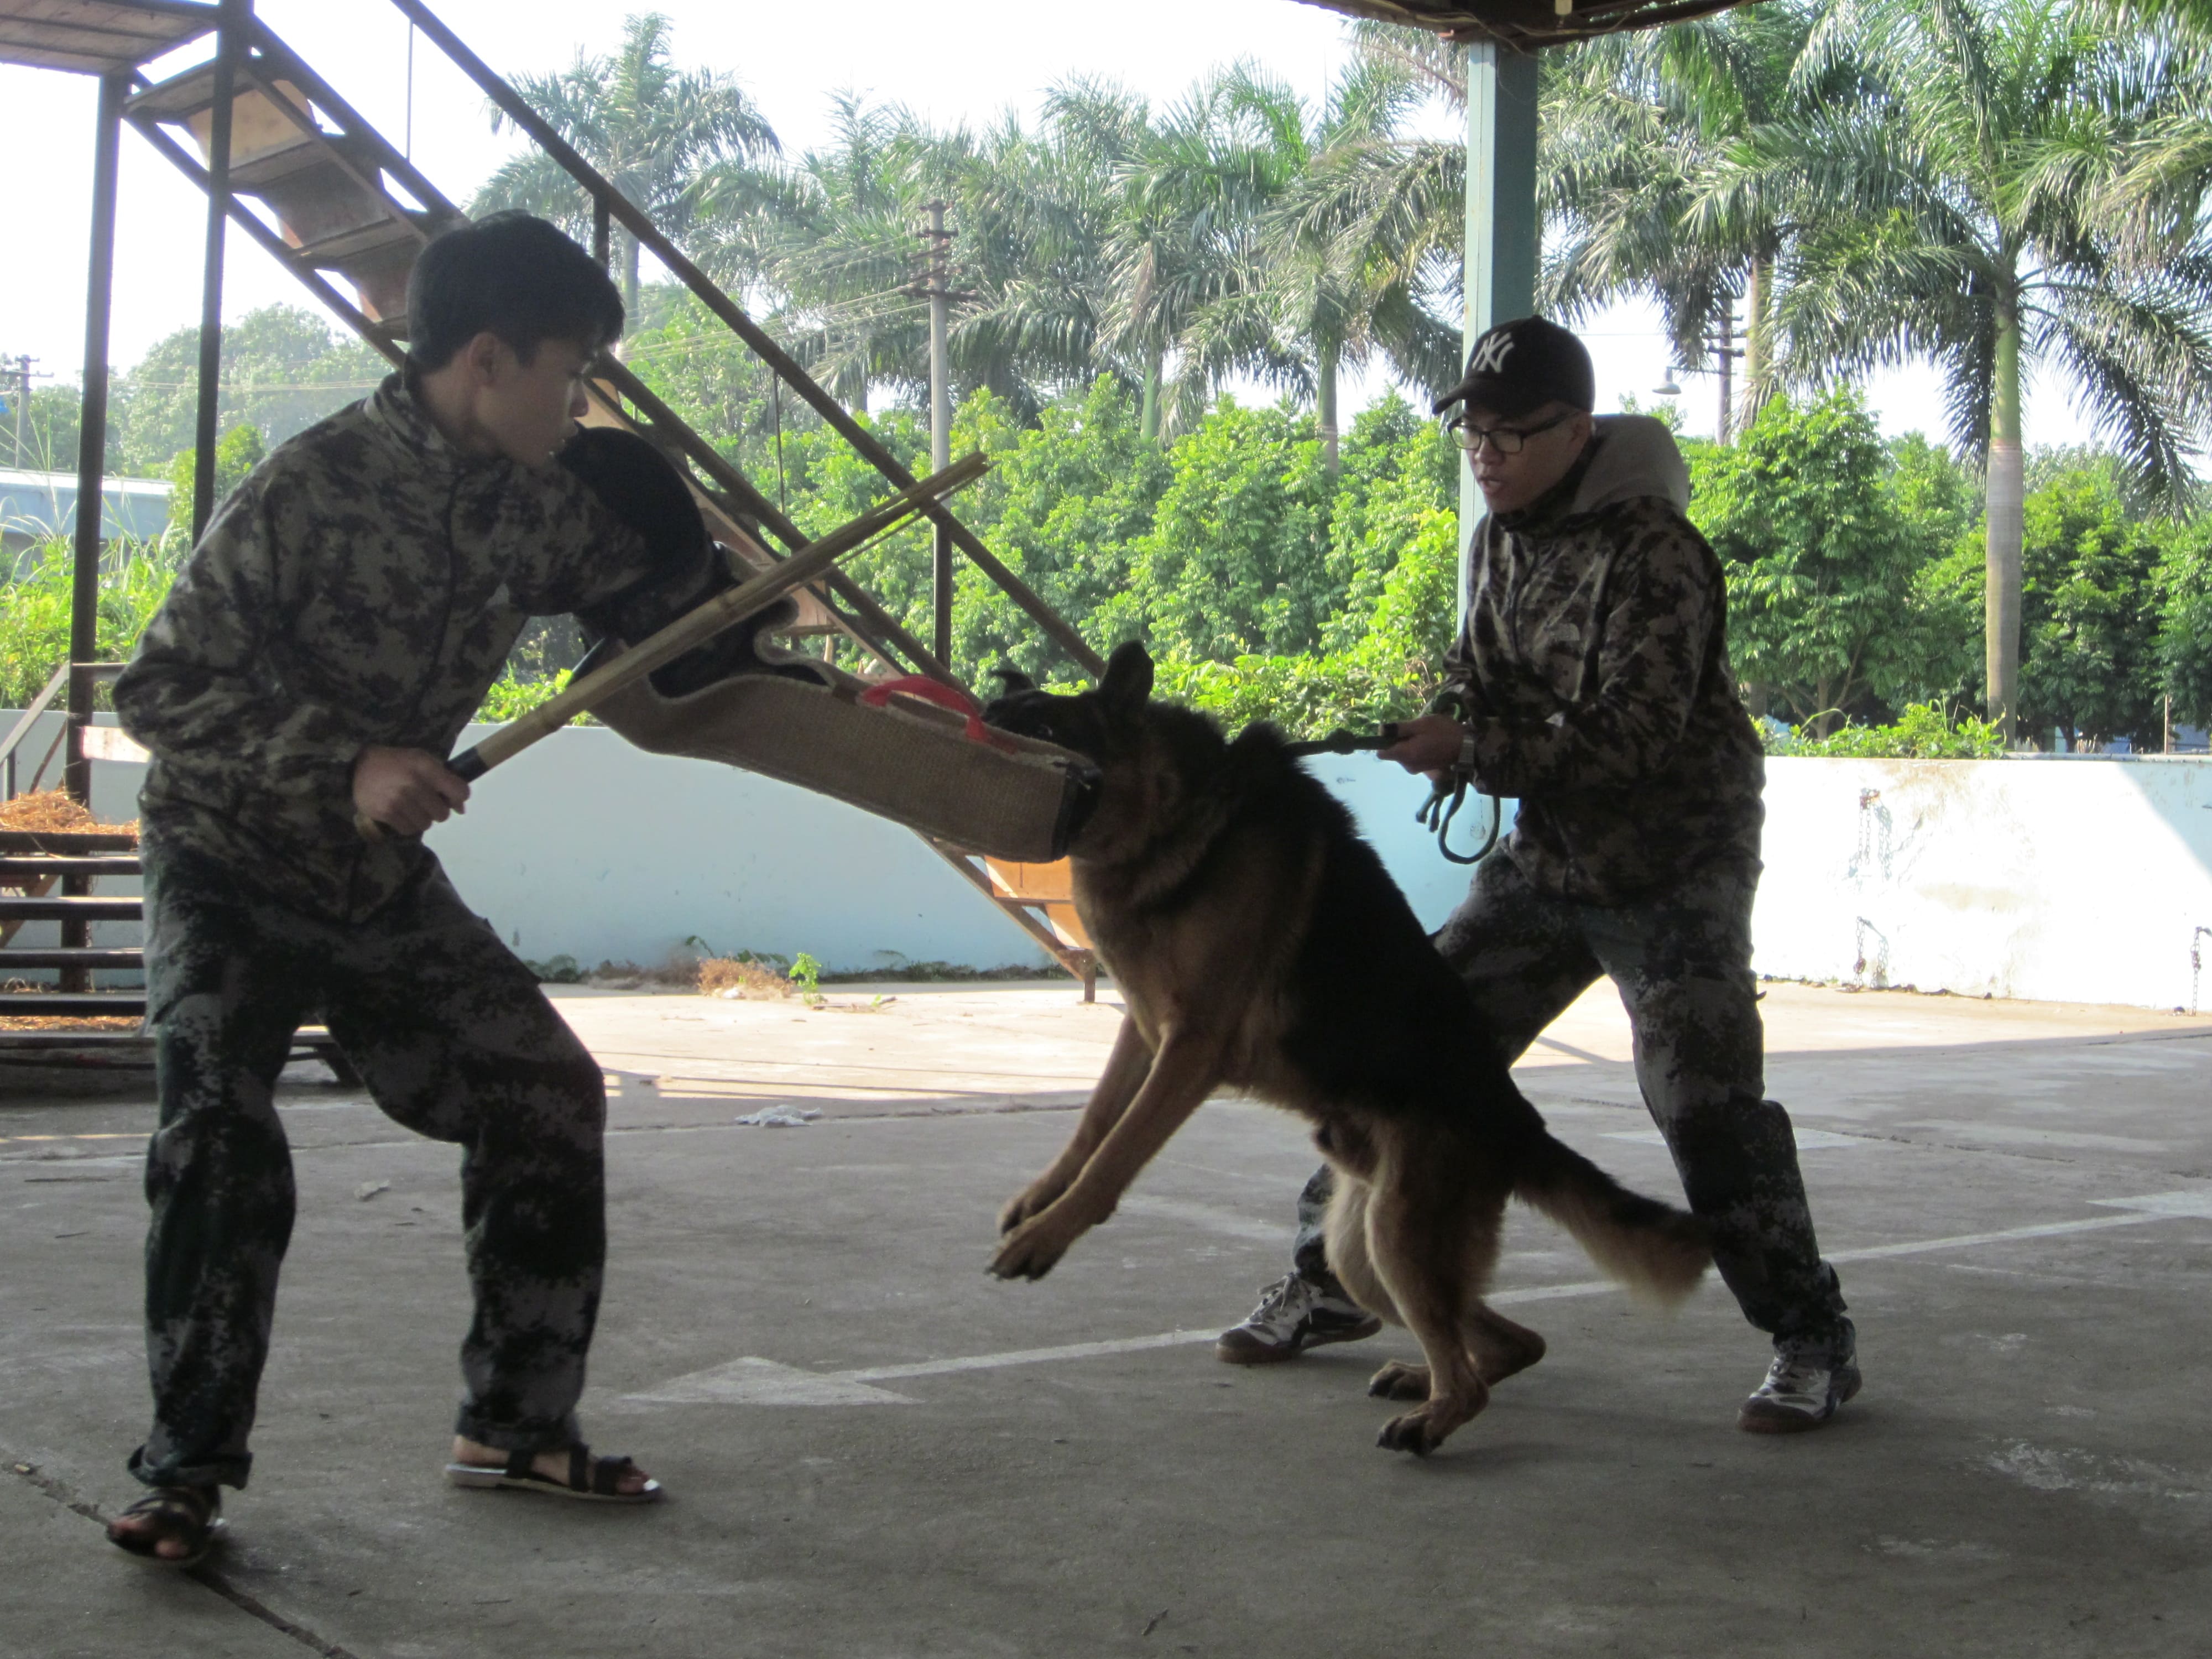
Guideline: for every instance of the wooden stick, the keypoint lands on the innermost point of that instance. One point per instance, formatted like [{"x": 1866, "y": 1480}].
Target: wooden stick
[{"x": 695, "y": 628}]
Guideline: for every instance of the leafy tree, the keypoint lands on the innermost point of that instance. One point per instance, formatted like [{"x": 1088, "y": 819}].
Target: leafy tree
[
  {"x": 1071, "y": 501},
  {"x": 1354, "y": 244},
  {"x": 1979, "y": 199},
  {"x": 1634, "y": 184},
  {"x": 1237, "y": 560},
  {"x": 237, "y": 453},
  {"x": 1818, "y": 572},
  {"x": 1397, "y": 467},
  {"x": 1187, "y": 267},
  {"x": 2185, "y": 598},
  {"x": 2090, "y": 611},
  {"x": 283, "y": 370},
  {"x": 667, "y": 139},
  {"x": 34, "y": 611}
]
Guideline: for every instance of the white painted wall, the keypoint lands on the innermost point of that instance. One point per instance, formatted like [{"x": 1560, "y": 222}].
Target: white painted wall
[
  {"x": 2081, "y": 879},
  {"x": 2076, "y": 879}
]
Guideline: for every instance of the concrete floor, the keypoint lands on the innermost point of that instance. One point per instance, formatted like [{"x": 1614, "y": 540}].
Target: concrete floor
[{"x": 876, "y": 1452}]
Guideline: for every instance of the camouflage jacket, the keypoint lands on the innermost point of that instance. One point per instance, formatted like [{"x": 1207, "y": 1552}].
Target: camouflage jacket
[
  {"x": 1592, "y": 666},
  {"x": 364, "y": 585}
]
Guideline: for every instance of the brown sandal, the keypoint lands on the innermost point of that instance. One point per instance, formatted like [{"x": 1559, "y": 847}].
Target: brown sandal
[
  {"x": 192, "y": 1515},
  {"x": 594, "y": 1480}
]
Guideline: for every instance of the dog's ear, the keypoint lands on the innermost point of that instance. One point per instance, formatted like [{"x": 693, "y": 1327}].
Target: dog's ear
[
  {"x": 1128, "y": 674},
  {"x": 1010, "y": 680}
]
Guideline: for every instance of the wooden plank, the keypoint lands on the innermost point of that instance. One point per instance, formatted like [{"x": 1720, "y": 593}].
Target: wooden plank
[
  {"x": 111, "y": 743},
  {"x": 96, "y": 37}
]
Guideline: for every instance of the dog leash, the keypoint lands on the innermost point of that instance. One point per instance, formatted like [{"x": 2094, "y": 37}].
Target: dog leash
[{"x": 1445, "y": 800}]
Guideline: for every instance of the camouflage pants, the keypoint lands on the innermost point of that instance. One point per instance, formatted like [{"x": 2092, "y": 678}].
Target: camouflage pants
[
  {"x": 456, "y": 1041},
  {"x": 1682, "y": 960}
]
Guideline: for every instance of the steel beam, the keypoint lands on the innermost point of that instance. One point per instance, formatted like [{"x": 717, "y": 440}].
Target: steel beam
[
  {"x": 230, "y": 46},
  {"x": 1504, "y": 237},
  {"x": 92, "y": 427}
]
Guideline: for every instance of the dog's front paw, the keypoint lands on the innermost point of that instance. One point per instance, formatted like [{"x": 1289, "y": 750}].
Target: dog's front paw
[
  {"x": 1032, "y": 1247},
  {"x": 1032, "y": 1201}
]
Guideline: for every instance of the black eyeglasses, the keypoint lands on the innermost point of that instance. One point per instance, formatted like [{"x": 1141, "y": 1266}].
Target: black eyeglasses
[{"x": 1505, "y": 440}]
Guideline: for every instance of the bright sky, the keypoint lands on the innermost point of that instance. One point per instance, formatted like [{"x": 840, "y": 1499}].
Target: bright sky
[{"x": 950, "y": 62}]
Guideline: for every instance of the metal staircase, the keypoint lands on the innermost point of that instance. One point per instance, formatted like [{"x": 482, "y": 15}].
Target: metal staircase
[{"x": 296, "y": 169}]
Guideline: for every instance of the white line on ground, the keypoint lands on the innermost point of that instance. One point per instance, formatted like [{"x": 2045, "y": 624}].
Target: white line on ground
[
  {"x": 1809, "y": 1140},
  {"x": 764, "y": 1383}
]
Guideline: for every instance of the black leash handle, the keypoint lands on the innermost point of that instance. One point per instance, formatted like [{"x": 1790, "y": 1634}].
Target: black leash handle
[
  {"x": 1341, "y": 742},
  {"x": 1442, "y": 806}
]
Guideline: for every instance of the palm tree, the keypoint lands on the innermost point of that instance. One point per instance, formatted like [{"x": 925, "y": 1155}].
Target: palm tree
[
  {"x": 1985, "y": 198},
  {"x": 836, "y": 248},
  {"x": 1183, "y": 252},
  {"x": 1028, "y": 213},
  {"x": 1368, "y": 241},
  {"x": 667, "y": 139},
  {"x": 1636, "y": 126}
]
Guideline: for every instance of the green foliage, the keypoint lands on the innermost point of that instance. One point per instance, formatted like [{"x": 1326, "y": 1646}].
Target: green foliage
[
  {"x": 2089, "y": 611},
  {"x": 1237, "y": 560},
  {"x": 2184, "y": 595},
  {"x": 511, "y": 697},
  {"x": 34, "y": 611},
  {"x": 237, "y": 453},
  {"x": 1821, "y": 561},
  {"x": 283, "y": 370},
  {"x": 1066, "y": 505},
  {"x": 805, "y": 972},
  {"x": 1924, "y": 731}
]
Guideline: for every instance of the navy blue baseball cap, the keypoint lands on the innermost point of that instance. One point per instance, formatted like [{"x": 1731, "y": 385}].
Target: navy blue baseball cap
[{"x": 1523, "y": 365}]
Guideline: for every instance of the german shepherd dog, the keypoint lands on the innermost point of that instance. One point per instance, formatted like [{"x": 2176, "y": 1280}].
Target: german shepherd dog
[{"x": 1258, "y": 944}]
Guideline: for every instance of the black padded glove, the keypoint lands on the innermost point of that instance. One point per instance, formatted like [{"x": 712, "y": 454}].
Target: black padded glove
[{"x": 638, "y": 485}]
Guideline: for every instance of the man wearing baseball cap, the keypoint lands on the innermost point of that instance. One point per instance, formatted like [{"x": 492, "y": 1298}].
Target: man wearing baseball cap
[{"x": 1591, "y": 682}]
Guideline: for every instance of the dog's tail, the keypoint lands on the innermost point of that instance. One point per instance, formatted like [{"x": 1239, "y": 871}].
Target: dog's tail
[{"x": 1654, "y": 1249}]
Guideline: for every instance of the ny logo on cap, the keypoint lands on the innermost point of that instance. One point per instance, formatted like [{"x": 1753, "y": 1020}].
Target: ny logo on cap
[{"x": 1490, "y": 352}]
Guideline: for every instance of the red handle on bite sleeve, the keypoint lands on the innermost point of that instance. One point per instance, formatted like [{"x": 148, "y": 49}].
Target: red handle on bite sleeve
[{"x": 923, "y": 689}]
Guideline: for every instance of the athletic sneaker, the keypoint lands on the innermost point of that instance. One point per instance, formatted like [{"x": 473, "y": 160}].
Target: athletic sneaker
[
  {"x": 1295, "y": 1314},
  {"x": 1803, "y": 1389}
]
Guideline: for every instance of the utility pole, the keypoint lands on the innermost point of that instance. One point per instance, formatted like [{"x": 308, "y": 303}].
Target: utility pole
[
  {"x": 23, "y": 374},
  {"x": 934, "y": 286},
  {"x": 1729, "y": 354}
]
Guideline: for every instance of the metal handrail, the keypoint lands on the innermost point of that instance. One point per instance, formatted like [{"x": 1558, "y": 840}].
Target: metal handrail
[
  {"x": 607, "y": 199},
  {"x": 10, "y": 742}
]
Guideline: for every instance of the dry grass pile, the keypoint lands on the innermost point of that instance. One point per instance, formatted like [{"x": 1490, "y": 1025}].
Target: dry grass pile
[
  {"x": 736, "y": 979},
  {"x": 52, "y": 810},
  {"x": 68, "y": 1022}
]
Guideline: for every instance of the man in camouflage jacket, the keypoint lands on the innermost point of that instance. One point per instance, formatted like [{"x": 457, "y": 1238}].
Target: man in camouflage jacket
[
  {"x": 1591, "y": 682},
  {"x": 333, "y": 633}
]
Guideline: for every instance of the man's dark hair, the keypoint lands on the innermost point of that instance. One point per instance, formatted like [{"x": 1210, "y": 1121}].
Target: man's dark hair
[{"x": 510, "y": 275}]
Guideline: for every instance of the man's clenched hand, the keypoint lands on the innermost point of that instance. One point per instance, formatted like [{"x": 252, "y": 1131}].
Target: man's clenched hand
[
  {"x": 405, "y": 790},
  {"x": 1428, "y": 744}
]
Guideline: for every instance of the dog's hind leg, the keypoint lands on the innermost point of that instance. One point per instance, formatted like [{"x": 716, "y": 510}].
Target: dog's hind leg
[
  {"x": 1433, "y": 1248},
  {"x": 1501, "y": 1347},
  {"x": 1117, "y": 1085},
  {"x": 1353, "y": 1264}
]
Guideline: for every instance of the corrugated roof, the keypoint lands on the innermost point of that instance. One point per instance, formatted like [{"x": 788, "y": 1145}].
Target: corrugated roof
[
  {"x": 1528, "y": 24},
  {"x": 97, "y": 37}
]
